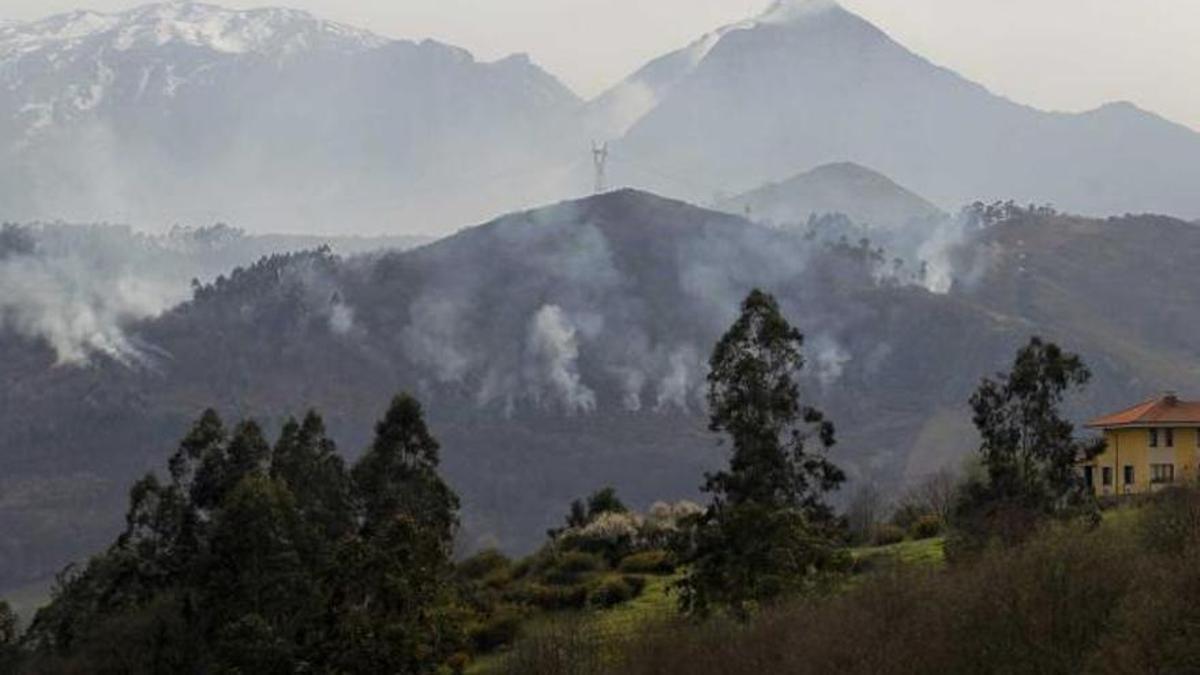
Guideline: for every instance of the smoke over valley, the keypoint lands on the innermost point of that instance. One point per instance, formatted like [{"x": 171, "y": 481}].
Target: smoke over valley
[{"x": 551, "y": 291}]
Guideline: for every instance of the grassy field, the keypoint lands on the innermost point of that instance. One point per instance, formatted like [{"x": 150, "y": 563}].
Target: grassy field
[
  {"x": 923, "y": 552},
  {"x": 653, "y": 604},
  {"x": 657, "y": 604}
]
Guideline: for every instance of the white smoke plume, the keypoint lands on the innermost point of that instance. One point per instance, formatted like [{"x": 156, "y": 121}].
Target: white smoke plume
[
  {"x": 80, "y": 298},
  {"x": 828, "y": 359},
  {"x": 682, "y": 381},
  {"x": 554, "y": 349},
  {"x": 80, "y": 287}
]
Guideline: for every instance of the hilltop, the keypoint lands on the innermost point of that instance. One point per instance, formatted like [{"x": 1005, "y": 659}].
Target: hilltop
[{"x": 562, "y": 348}]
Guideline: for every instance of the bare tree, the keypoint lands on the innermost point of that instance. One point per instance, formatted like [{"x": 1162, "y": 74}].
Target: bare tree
[{"x": 865, "y": 510}]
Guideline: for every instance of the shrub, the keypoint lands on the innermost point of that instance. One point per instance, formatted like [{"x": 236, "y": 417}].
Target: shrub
[
  {"x": 638, "y": 584},
  {"x": 551, "y": 597},
  {"x": 572, "y": 566},
  {"x": 483, "y": 564},
  {"x": 568, "y": 644},
  {"x": 925, "y": 527},
  {"x": 1171, "y": 522},
  {"x": 886, "y": 534},
  {"x": 611, "y": 534},
  {"x": 648, "y": 562},
  {"x": 458, "y": 662},
  {"x": 497, "y": 630},
  {"x": 610, "y": 592}
]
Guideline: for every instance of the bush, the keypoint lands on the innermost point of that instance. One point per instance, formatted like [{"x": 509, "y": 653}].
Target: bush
[
  {"x": 907, "y": 514},
  {"x": 888, "y": 534},
  {"x": 610, "y": 592},
  {"x": 648, "y": 562},
  {"x": 497, "y": 630},
  {"x": 925, "y": 527},
  {"x": 1171, "y": 522},
  {"x": 572, "y": 566},
  {"x": 551, "y": 597},
  {"x": 638, "y": 584},
  {"x": 483, "y": 564},
  {"x": 610, "y": 534}
]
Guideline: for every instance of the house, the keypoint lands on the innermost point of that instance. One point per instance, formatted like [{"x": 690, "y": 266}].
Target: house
[{"x": 1151, "y": 445}]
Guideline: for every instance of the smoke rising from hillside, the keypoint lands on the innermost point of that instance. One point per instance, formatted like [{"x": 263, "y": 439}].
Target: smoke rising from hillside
[
  {"x": 78, "y": 288},
  {"x": 81, "y": 287},
  {"x": 554, "y": 309},
  {"x": 554, "y": 347}
]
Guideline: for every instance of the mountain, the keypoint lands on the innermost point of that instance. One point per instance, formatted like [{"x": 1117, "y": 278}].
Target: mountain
[
  {"x": 809, "y": 83},
  {"x": 75, "y": 286},
  {"x": 563, "y": 348},
  {"x": 865, "y": 196},
  {"x": 271, "y": 119}
]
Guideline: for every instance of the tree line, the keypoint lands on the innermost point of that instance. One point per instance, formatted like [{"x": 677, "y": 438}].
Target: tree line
[{"x": 263, "y": 557}]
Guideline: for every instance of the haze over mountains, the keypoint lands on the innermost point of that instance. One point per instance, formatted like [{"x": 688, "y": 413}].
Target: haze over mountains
[
  {"x": 864, "y": 196},
  {"x": 573, "y": 355},
  {"x": 277, "y": 120},
  {"x": 810, "y": 83},
  {"x": 563, "y": 347},
  {"x": 269, "y": 119}
]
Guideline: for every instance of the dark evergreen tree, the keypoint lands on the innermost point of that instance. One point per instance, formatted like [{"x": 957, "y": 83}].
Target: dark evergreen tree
[
  {"x": 269, "y": 560},
  {"x": 582, "y": 512},
  {"x": 307, "y": 461},
  {"x": 604, "y": 500},
  {"x": 1028, "y": 448},
  {"x": 259, "y": 589},
  {"x": 393, "y": 580},
  {"x": 10, "y": 650},
  {"x": 768, "y": 531},
  {"x": 398, "y": 475}
]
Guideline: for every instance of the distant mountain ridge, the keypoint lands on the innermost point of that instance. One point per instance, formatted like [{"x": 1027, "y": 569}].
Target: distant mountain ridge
[
  {"x": 810, "y": 83},
  {"x": 867, "y": 197},
  {"x": 274, "y": 119},
  {"x": 573, "y": 355},
  {"x": 270, "y": 119}
]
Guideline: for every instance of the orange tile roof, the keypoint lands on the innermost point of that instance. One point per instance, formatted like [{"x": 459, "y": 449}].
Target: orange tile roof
[{"x": 1155, "y": 412}]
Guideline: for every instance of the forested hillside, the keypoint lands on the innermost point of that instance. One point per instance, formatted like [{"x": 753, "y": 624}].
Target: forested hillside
[{"x": 563, "y": 348}]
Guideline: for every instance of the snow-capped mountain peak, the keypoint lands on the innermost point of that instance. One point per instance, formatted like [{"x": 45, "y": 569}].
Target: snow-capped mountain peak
[
  {"x": 789, "y": 11},
  {"x": 271, "y": 32}
]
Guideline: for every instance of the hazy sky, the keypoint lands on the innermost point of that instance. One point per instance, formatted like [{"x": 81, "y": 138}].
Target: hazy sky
[{"x": 1055, "y": 54}]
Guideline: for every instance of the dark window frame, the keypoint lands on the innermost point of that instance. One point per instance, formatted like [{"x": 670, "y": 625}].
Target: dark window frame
[{"x": 1161, "y": 474}]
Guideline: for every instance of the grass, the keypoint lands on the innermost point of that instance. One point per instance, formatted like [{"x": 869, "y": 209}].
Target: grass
[
  {"x": 920, "y": 552},
  {"x": 623, "y": 621},
  {"x": 655, "y": 603}
]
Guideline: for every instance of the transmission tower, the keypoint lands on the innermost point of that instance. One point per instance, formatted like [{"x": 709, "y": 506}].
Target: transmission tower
[{"x": 600, "y": 160}]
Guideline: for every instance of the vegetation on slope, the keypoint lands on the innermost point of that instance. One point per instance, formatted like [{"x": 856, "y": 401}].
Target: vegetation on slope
[
  {"x": 261, "y": 558},
  {"x": 1118, "y": 598}
]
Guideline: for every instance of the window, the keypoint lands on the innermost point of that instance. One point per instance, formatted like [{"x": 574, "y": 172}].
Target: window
[
  {"x": 1162, "y": 473},
  {"x": 1128, "y": 475},
  {"x": 1154, "y": 438},
  {"x": 1106, "y": 476},
  {"x": 1169, "y": 438},
  {"x": 1089, "y": 479}
]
